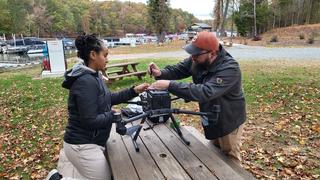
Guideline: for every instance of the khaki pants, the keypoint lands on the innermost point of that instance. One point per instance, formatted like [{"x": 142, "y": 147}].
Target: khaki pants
[
  {"x": 88, "y": 160},
  {"x": 231, "y": 143}
]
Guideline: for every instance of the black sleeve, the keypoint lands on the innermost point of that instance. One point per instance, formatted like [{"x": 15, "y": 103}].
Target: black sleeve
[
  {"x": 175, "y": 72},
  {"x": 86, "y": 92},
  {"x": 123, "y": 96},
  {"x": 217, "y": 86}
]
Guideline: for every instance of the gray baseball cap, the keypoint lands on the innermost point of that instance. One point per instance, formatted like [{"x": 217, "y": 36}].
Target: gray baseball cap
[{"x": 192, "y": 49}]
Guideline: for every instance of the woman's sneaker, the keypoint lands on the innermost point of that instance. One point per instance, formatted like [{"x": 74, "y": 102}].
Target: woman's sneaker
[{"x": 54, "y": 175}]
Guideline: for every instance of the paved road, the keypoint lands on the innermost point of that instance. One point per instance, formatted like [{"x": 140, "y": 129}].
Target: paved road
[{"x": 240, "y": 52}]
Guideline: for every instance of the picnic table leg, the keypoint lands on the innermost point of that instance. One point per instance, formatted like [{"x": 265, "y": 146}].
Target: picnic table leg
[
  {"x": 125, "y": 70},
  {"x": 134, "y": 68}
]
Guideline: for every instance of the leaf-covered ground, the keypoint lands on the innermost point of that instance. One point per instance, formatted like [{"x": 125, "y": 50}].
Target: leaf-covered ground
[
  {"x": 287, "y": 37},
  {"x": 281, "y": 138}
]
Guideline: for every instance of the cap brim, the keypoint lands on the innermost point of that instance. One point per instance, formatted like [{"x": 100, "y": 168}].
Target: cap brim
[{"x": 192, "y": 49}]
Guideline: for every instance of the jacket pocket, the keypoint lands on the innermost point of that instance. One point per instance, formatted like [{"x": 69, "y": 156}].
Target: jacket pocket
[{"x": 215, "y": 114}]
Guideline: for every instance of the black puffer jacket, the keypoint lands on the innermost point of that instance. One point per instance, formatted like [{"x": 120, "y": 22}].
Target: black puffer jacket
[
  {"x": 217, "y": 85},
  {"x": 89, "y": 106}
]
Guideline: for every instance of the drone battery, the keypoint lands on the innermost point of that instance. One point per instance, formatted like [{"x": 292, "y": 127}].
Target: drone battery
[{"x": 157, "y": 100}]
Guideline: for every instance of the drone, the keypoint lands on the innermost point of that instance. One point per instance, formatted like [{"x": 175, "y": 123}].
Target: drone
[{"x": 157, "y": 109}]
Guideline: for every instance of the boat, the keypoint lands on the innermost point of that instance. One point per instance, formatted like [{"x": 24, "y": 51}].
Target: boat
[
  {"x": 24, "y": 45},
  {"x": 8, "y": 49},
  {"x": 15, "y": 46},
  {"x": 37, "y": 49}
]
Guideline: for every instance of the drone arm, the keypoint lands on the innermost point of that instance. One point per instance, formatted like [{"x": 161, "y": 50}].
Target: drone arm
[
  {"x": 140, "y": 116},
  {"x": 179, "y": 111},
  {"x": 140, "y": 103}
]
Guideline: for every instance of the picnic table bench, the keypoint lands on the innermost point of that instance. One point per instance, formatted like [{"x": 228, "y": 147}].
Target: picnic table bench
[
  {"x": 163, "y": 155},
  {"x": 122, "y": 70}
]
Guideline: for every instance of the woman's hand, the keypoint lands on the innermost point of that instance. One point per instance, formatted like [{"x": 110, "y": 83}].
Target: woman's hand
[
  {"x": 160, "y": 85},
  {"x": 141, "y": 88}
]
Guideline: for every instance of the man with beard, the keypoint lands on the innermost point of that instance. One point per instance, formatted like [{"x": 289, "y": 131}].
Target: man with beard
[{"x": 216, "y": 87}]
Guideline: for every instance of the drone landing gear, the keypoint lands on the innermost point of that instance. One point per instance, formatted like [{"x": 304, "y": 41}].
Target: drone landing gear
[{"x": 176, "y": 128}]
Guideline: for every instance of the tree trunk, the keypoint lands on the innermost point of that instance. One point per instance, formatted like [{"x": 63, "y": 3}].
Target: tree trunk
[
  {"x": 280, "y": 20},
  {"x": 298, "y": 15},
  {"x": 309, "y": 12},
  {"x": 224, "y": 19},
  {"x": 274, "y": 20},
  {"x": 161, "y": 37},
  {"x": 254, "y": 18},
  {"x": 232, "y": 22},
  {"x": 292, "y": 13},
  {"x": 217, "y": 16}
]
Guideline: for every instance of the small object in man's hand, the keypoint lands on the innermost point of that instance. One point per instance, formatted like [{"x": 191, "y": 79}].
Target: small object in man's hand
[{"x": 150, "y": 71}]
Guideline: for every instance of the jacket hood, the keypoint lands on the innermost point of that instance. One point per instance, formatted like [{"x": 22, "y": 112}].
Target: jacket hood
[{"x": 75, "y": 72}]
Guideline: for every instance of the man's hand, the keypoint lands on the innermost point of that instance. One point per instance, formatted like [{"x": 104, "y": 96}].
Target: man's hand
[
  {"x": 154, "y": 70},
  {"x": 141, "y": 88},
  {"x": 160, "y": 85}
]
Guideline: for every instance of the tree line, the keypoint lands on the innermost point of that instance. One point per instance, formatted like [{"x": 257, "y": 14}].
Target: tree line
[
  {"x": 253, "y": 17},
  {"x": 58, "y": 18}
]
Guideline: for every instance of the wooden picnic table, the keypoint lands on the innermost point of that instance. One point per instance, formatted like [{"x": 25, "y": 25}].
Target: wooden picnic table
[
  {"x": 122, "y": 70},
  {"x": 163, "y": 155}
]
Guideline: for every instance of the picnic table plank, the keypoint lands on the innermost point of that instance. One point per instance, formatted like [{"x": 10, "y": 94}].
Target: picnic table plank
[
  {"x": 121, "y": 164},
  {"x": 195, "y": 168},
  {"x": 142, "y": 160},
  {"x": 163, "y": 155},
  {"x": 168, "y": 165},
  {"x": 221, "y": 169},
  {"x": 234, "y": 165},
  {"x": 121, "y": 64},
  {"x": 124, "y": 72},
  {"x": 128, "y": 74},
  {"x": 118, "y": 71}
]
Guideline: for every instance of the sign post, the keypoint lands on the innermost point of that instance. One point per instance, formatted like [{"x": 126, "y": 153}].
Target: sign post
[{"x": 56, "y": 58}]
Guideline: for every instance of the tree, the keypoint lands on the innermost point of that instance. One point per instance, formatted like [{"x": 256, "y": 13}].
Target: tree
[
  {"x": 57, "y": 10},
  {"x": 243, "y": 18},
  {"x": 159, "y": 17},
  {"x": 217, "y": 15},
  {"x": 5, "y": 20},
  {"x": 224, "y": 17},
  {"x": 42, "y": 21},
  {"x": 17, "y": 11},
  {"x": 179, "y": 20}
]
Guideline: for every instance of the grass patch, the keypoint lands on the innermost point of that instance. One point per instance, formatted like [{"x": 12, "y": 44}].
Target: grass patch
[{"x": 283, "y": 100}]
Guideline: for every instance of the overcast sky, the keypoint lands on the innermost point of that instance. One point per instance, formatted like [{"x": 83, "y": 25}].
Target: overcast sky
[{"x": 200, "y": 8}]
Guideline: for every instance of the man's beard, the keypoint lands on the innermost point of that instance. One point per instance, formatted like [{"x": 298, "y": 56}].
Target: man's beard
[{"x": 198, "y": 67}]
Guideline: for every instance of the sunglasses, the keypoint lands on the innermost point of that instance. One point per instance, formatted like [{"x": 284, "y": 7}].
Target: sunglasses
[{"x": 197, "y": 55}]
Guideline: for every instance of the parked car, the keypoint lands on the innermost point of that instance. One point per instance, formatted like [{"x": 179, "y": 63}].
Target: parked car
[{"x": 68, "y": 43}]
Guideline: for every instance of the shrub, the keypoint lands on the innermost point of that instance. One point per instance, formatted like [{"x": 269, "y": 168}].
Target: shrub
[
  {"x": 310, "y": 39},
  {"x": 301, "y": 36},
  {"x": 256, "y": 38},
  {"x": 274, "y": 38}
]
